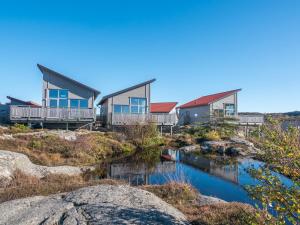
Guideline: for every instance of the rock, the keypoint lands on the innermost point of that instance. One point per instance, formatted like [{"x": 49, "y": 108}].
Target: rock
[
  {"x": 11, "y": 161},
  {"x": 221, "y": 150},
  {"x": 190, "y": 148},
  {"x": 214, "y": 146},
  {"x": 233, "y": 151},
  {"x": 242, "y": 141},
  {"x": 208, "y": 200},
  {"x": 6, "y": 137},
  {"x": 103, "y": 204}
]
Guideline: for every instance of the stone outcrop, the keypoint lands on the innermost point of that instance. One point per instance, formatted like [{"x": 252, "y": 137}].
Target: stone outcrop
[
  {"x": 103, "y": 204},
  {"x": 12, "y": 161}
]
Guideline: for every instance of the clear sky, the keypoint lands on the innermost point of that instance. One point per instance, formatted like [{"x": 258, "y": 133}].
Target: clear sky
[{"x": 192, "y": 48}]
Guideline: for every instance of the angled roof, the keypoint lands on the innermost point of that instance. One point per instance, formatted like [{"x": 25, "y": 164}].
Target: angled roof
[
  {"x": 125, "y": 90},
  {"x": 208, "y": 99},
  {"x": 45, "y": 69},
  {"x": 30, "y": 103},
  {"x": 162, "y": 107}
]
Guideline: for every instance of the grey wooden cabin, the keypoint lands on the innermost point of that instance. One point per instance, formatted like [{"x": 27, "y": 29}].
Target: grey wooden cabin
[
  {"x": 64, "y": 101},
  {"x": 206, "y": 108},
  {"x": 130, "y": 106}
]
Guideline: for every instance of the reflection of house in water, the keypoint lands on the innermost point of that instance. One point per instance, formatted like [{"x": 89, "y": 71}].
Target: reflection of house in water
[
  {"x": 138, "y": 174},
  {"x": 226, "y": 172}
]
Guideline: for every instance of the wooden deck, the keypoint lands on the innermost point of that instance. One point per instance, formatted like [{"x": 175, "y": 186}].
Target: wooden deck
[
  {"x": 130, "y": 119},
  {"x": 39, "y": 114}
]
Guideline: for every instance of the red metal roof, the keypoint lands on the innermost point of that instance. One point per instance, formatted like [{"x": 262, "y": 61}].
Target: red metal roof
[
  {"x": 162, "y": 107},
  {"x": 206, "y": 100}
]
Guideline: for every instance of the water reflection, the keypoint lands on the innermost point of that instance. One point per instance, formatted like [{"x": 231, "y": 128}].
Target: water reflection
[
  {"x": 227, "y": 171},
  {"x": 138, "y": 173}
]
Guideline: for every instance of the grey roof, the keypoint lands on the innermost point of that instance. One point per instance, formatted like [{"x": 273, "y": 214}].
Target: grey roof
[
  {"x": 45, "y": 69},
  {"x": 125, "y": 90}
]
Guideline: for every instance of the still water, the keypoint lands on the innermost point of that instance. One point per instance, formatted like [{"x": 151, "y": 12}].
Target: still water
[{"x": 214, "y": 177}]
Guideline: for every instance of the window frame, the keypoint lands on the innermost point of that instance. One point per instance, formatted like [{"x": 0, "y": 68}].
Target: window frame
[
  {"x": 139, "y": 104},
  {"x": 233, "y": 110}
]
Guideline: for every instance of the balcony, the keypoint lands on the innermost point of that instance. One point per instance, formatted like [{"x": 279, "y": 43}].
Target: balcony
[
  {"x": 27, "y": 113},
  {"x": 130, "y": 119}
]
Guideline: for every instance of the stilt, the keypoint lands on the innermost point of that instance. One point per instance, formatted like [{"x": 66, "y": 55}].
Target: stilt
[
  {"x": 171, "y": 130},
  {"x": 67, "y": 126}
]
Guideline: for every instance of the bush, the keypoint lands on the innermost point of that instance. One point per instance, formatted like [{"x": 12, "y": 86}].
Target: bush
[
  {"x": 19, "y": 128},
  {"x": 212, "y": 136}
]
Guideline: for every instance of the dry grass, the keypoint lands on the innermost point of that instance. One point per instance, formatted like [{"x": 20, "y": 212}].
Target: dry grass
[
  {"x": 51, "y": 150},
  {"x": 24, "y": 185},
  {"x": 184, "y": 197}
]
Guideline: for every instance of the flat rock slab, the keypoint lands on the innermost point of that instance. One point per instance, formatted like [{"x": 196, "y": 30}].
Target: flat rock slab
[
  {"x": 12, "y": 161},
  {"x": 103, "y": 204}
]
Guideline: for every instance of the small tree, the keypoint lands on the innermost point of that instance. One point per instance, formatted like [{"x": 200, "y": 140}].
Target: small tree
[{"x": 281, "y": 152}]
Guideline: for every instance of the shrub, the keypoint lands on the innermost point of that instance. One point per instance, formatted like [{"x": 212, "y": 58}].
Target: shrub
[
  {"x": 212, "y": 136},
  {"x": 19, "y": 128}
]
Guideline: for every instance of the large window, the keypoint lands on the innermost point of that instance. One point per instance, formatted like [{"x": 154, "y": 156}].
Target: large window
[
  {"x": 83, "y": 103},
  {"x": 229, "y": 109},
  {"x": 121, "y": 108},
  {"x": 74, "y": 103},
  {"x": 79, "y": 103},
  {"x": 138, "y": 105},
  {"x": 63, "y": 103}
]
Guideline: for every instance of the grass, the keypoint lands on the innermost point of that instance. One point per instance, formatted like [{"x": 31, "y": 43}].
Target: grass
[
  {"x": 51, "y": 150},
  {"x": 185, "y": 198},
  {"x": 23, "y": 185}
]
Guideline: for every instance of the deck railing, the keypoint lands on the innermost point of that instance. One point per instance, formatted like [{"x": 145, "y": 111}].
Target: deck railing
[
  {"x": 129, "y": 119},
  {"x": 41, "y": 113},
  {"x": 251, "y": 119}
]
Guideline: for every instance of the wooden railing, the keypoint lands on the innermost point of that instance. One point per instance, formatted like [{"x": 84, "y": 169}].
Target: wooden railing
[
  {"x": 40, "y": 113},
  {"x": 251, "y": 119},
  {"x": 129, "y": 119}
]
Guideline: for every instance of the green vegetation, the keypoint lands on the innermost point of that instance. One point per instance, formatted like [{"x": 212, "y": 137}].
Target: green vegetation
[
  {"x": 50, "y": 149},
  {"x": 281, "y": 152},
  {"x": 213, "y": 131},
  {"x": 185, "y": 198},
  {"x": 19, "y": 128}
]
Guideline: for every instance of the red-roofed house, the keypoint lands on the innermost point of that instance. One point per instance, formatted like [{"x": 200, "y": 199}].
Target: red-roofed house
[
  {"x": 163, "y": 107},
  {"x": 202, "y": 109}
]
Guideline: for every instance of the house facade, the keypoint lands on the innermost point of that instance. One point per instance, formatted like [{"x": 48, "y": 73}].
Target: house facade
[
  {"x": 206, "y": 108},
  {"x": 64, "y": 101},
  {"x": 126, "y": 106}
]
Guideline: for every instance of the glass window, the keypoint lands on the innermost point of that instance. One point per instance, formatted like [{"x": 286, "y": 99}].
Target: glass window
[
  {"x": 134, "y": 109},
  {"x": 138, "y": 105},
  {"x": 121, "y": 108},
  {"x": 74, "y": 103},
  {"x": 53, "y": 93},
  {"x": 117, "y": 108},
  {"x": 134, "y": 101},
  {"x": 125, "y": 108},
  {"x": 229, "y": 109},
  {"x": 142, "y": 101},
  {"x": 63, "y": 93},
  {"x": 53, "y": 103},
  {"x": 84, "y": 103},
  {"x": 63, "y": 103}
]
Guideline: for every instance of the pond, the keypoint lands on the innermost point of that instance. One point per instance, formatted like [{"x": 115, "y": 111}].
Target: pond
[{"x": 217, "y": 177}]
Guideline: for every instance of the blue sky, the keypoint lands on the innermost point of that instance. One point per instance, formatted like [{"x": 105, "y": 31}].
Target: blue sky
[{"x": 192, "y": 48}]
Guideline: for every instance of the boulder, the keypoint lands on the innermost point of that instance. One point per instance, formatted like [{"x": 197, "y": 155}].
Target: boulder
[
  {"x": 190, "y": 148},
  {"x": 214, "y": 146},
  {"x": 234, "y": 151},
  {"x": 103, "y": 204},
  {"x": 12, "y": 161}
]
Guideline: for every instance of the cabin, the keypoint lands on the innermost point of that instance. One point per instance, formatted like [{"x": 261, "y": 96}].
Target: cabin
[
  {"x": 131, "y": 106},
  {"x": 206, "y": 108},
  {"x": 65, "y": 102}
]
